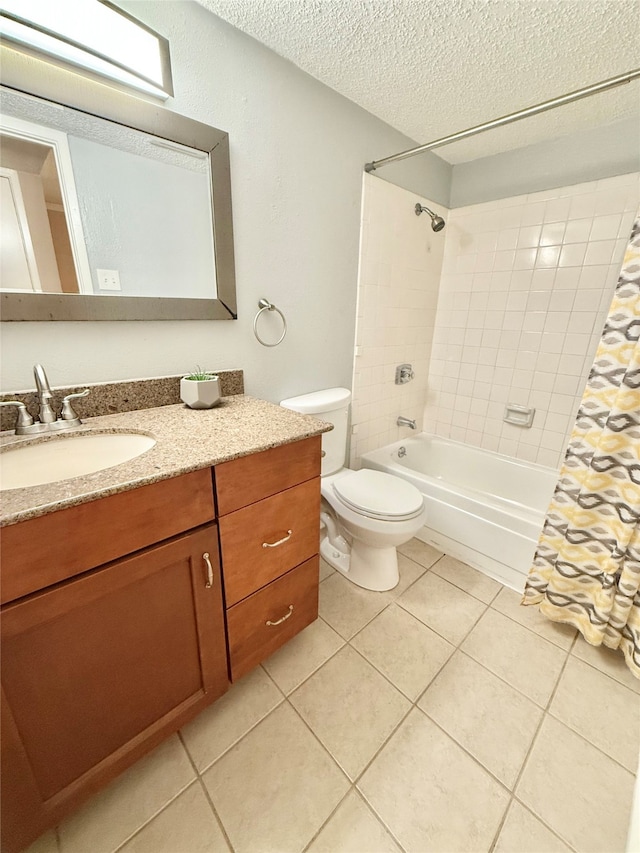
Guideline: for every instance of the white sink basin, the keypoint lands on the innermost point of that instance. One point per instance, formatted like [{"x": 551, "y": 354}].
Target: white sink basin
[{"x": 67, "y": 457}]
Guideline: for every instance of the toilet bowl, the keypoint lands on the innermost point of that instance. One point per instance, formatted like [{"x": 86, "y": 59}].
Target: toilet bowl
[{"x": 365, "y": 514}]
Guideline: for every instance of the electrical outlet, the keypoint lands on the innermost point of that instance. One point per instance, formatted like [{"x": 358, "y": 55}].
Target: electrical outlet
[{"x": 108, "y": 279}]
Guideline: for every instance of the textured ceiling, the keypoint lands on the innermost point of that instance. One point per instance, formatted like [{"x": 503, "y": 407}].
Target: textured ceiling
[{"x": 433, "y": 67}]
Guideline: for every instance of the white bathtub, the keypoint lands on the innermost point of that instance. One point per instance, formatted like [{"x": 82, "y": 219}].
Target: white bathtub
[{"x": 483, "y": 508}]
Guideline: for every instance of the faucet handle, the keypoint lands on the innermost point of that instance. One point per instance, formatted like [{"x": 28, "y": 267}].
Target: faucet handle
[
  {"x": 68, "y": 413},
  {"x": 24, "y": 418}
]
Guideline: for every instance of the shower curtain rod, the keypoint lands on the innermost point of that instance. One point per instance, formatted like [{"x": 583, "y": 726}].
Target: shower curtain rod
[{"x": 611, "y": 83}]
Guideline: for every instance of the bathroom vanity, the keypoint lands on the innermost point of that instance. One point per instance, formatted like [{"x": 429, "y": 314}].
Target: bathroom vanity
[{"x": 133, "y": 596}]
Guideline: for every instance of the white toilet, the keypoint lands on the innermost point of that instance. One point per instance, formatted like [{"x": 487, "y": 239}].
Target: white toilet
[{"x": 365, "y": 514}]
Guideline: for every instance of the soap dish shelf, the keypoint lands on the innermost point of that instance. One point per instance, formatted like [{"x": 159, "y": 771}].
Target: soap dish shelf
[{"x": 517, "y": 415}]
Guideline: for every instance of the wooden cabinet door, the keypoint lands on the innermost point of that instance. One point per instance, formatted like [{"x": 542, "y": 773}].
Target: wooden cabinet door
[{"x": 98, "y": 670}]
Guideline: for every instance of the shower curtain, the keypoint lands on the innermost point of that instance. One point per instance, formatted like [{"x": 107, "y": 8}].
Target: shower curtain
[{"x": 586, "y": 570}]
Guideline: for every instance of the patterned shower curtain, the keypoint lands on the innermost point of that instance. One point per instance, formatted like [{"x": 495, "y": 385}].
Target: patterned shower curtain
[{"x": 586, "y": 570}]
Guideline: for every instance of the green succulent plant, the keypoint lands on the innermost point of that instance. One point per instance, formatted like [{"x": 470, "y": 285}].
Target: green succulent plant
[{"x": 200, "y": 375}]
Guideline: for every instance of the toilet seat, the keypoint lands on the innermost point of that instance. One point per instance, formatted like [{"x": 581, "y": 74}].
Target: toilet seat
[{"x": 376, "y": 494}]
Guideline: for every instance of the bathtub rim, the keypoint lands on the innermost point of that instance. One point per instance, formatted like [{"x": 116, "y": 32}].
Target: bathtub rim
[{"x": 521, "y": 463}]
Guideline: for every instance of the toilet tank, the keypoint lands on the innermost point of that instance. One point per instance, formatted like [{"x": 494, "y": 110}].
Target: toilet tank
[{"x": 331, "y": 405}]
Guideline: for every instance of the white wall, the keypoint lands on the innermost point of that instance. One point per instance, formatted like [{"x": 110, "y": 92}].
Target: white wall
[
  {"x": 526, "y": 286},
  {"x": 400, "y": 265},
  {"x": 297, "y": 155}
]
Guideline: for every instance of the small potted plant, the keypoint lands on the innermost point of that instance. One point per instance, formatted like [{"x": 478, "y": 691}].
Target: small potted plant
[{"x": 200, "y": 389}]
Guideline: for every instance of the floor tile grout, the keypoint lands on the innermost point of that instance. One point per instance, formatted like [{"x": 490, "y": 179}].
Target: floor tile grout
[
  {"x": 155, "y": 815},
  {"x": 238, "y": 739},
  {"x": 379, "y": 819},
  {"x": 586, "y": 740},
  {"x": 597, "y": 668},
  {"x": 520, "y": 802},
  {"x": 532, "y": 631},
  {"x": 217, "y": 817},
  {"x": 476, "y": 760},
  {"x": 534, "y": 740},
  {"x": 501, "y": 825}
]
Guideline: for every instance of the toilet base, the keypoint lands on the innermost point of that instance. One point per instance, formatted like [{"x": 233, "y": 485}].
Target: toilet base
[
  {"x": 337, "y": 558},
  {"x": 368, "y": 567}
]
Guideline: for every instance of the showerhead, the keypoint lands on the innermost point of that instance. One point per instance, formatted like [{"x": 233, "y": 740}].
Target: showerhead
[{"x": 437, "y": 222}]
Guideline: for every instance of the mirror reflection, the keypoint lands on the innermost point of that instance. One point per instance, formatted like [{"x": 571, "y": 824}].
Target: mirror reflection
[{"x": 97, "y": 208}]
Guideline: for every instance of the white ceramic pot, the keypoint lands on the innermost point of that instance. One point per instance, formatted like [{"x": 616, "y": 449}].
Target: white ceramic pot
[{"x": 200, "y": 393}]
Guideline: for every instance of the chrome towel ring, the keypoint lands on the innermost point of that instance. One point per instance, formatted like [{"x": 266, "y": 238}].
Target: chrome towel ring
[{"x": 265, "y": 305}]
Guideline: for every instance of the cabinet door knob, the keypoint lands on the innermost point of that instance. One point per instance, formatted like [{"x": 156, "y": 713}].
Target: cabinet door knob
[
  {"x": 279, "y": 542},
  {"x": 284, "y": 618},
  {"x": 209, "y": 582}
]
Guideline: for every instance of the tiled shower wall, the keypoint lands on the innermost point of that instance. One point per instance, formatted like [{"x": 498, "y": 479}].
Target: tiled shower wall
[
  {"x": 526, "y": 285},
  {"x": 400, "y": 266}
]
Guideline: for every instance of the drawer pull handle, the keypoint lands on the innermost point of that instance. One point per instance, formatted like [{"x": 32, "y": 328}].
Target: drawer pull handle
[
  {"x": 284, "y": 618},
  {"x": 279, "y": 542},
  {"x": 209, "y": 582}
]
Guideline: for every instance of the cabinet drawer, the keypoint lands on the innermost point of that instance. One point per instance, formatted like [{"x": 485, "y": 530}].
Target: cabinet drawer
[
  {"x": 244, "y": 481},
  {"x": 42, "y": 551},
  {"x": 265, "y": 540},
  {"x": 289, "y": 603}
]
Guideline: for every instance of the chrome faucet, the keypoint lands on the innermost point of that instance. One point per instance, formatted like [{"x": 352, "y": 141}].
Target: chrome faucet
[
  {"x": 48, "y": 421},
  {"x": 47, "y": 415},
  {"x": 406, "y": 422}
]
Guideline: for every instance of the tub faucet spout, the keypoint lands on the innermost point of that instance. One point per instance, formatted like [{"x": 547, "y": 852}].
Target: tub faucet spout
[{"x": 406, "y": 422}]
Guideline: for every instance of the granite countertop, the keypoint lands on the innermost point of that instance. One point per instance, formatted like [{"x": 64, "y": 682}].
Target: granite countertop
[{"x": 186, "y": 440}]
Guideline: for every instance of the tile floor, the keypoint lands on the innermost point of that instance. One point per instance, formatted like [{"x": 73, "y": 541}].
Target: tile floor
[{"x": 441, "y": 716}]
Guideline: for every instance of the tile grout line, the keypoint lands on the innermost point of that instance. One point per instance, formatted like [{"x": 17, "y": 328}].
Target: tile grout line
[
  {"x": 205, "y": 791},
  {"x": 548, "y": 712},
  {"x": 335, "y": 763},
  {"x": 520, "y": 802},
  {"x": 154, "y": 815},
  {"x": 320, "y": 665},
  {"x": 216, "y": 816},
  {"x": 500, "y": 678},
  {"x": 535, "y": 633},
  {"x": 228, "y": 749},
  {"x": 197, "y": 780},
  {"x": 435, "y": 631},
  {"x": 386, "y": 677},
  {"x": 390, "y": 601},
  {"x": 586, "y": 740},
  {"x": 322, "y": 826},
  {"x": 500, "y": 827},
  {"x": 240, "y": 737},
  {"x": 354, "y": 781},
  {"x": 597, "y": 669},
  {"x": 531, "y": 748},
  {"x": 458, "y": 648},
  {"x": 358, "y": 794}
]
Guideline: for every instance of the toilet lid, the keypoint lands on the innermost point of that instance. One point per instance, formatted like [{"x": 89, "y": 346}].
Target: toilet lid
[{"x": 379, "y": 495}]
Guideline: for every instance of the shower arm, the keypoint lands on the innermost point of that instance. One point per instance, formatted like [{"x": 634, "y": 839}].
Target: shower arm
[{"x": 595, "y": 89}]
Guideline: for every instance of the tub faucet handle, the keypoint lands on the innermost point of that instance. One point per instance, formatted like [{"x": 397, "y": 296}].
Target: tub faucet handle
[{"x": 404, "y": 374}]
